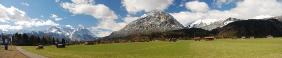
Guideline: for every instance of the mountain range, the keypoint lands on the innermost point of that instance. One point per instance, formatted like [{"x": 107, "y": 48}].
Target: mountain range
[
  {"x": 158, "y": 24},
  {"x": 74, "y": 34},
  {"x": 60, "y": 32},
  {"x": 252, "y": 28},
  {"x": 210, "y": 24}
]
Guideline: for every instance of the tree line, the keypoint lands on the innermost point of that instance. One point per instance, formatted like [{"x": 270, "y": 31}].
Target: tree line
[{"x": 30, "y": 39}]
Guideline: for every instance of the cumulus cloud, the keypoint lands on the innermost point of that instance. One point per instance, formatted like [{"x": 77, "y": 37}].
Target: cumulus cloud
[
  {"x": 12, "y": 18},
  {"x": 196, "y": 6},
  {"x": 133, "y": 6},
  {"x": 55, "y": 17},
  {"x": 99, "y": 11},
  {"x": 106, "y": 27},
  {"x": 104, "y": 14},
  {"x": 11, "y": 13},
  {"x": 186, "y": 18},
  {"x": 251, "y": 8},
  {"x": 129, "y": 18},
  {"x": 244, "y": 10},
  {"x": 9, "y": 27}
]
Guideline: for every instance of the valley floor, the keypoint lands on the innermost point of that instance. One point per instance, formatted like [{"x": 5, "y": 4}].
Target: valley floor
[{"x": 220, "y": 48}]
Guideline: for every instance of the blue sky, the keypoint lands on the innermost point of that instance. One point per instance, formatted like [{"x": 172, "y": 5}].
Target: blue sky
[
  {"x": 44, "y": 8},
  {"x": 76, "y": 13}
]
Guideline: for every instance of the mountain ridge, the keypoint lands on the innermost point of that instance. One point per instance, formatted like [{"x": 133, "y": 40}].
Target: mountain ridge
[{"x": 153, "y": 21}]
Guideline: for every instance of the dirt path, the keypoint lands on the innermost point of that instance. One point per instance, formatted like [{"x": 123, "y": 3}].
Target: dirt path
[
  {"x": 11, "y": 53},
  {"x": 29, "y": 54}
]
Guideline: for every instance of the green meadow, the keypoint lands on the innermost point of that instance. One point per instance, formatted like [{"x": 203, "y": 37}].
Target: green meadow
[{"x": 220, "y": 48}]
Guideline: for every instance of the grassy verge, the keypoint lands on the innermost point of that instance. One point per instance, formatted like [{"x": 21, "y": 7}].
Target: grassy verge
[{"x": 223, "y": 48}]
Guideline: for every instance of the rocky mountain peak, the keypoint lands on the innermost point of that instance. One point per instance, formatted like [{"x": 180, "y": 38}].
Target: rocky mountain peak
[
  {"x": 153, "y": 21},
  {"x": 156, "y": 13}
]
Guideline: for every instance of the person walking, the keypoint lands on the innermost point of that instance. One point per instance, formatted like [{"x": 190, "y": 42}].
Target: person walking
[{"x": 6, "y": 43}]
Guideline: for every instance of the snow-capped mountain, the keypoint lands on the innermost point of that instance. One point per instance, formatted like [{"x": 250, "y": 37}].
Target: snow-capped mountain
[
  {"x": 210, "y": 24},
  {"x": 58, "y": 32},
  {"x": 202, "y": 23},
  {"x": 55, "y": 29},
  {"x": 154, "y": 21},
  {"x": 75, "y": 34},
  {"x": 82, "y": 34}
]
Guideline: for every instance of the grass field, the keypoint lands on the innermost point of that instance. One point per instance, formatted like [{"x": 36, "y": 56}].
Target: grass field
[{"x": 224, "y": 48}]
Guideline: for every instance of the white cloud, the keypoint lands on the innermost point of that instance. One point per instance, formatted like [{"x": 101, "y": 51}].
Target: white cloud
[
  {"x": 9, "y": 27},
  {"x": 196, "y": 6},
  {"x": 101, "y": 33},
  {"x": 129, "y": 19},
  {"x": 106, "y": 17},
  {"x": 186, "y": 18},
  {"x": 251, "y": 8},
  {"x": 223, "y": 1},
  {"x": 99, "y": 11},
  {"x": 11, "y": 13},
  {"x": 69, "y": 26},
  {"x": 25, "y": 4},
  {"x": 36, "y": 23},
  {"x": 12, "y": 18},
  {"x": 262, "y": 17},
  {"x": 106, "y": 27},
  {"x": 133, "y": 6},
  {"x": 82, "y": 1},
  {"x": 55, "y": 17},
  {"x": 245, "y": 9}
]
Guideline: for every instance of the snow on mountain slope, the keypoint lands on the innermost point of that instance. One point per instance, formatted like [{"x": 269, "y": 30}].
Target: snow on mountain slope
[
  {"x": 209, "y": 24},
  {"x": 202, "y": 23},
  {"x": 154, "y": 21},
  {"x": 75, "y": 34}
]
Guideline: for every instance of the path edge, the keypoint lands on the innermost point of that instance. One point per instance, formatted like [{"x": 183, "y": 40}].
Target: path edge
[{"x": 29, "y": 54}]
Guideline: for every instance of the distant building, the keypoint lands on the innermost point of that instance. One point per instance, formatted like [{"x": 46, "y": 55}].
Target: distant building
[
  {"x": 269, "y": 36},
  {"x": 209, "y": 38}
]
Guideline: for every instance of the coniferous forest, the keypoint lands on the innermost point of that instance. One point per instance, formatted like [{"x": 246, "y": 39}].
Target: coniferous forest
[{"x": 30, "y": 40}]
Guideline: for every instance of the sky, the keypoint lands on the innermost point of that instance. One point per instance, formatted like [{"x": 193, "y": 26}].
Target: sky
[{"x": 105, "y": 16}]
